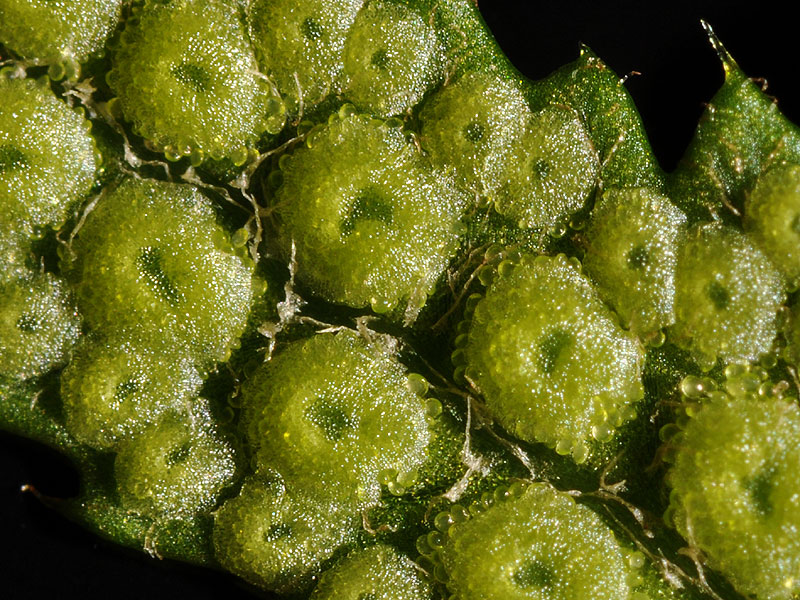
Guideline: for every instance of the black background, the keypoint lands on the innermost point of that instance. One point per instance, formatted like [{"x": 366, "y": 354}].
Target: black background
[{"x": 44, "y": 556}]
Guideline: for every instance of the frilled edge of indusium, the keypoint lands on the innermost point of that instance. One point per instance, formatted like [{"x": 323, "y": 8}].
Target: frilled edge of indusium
[
  {"x": 548, "y": 357},
  {"x": 338, "y": 417},
  {"x": 530, "y": 541},
  {"x": 61, "y": 35},
  {"x": 370, "y": 221},
  {"x": 232, "y": 273},
  {"x": 733, "y": 458}
]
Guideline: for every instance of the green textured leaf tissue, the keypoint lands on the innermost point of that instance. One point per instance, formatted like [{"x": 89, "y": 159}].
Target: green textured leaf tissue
[{"x": 327, "y": 295}]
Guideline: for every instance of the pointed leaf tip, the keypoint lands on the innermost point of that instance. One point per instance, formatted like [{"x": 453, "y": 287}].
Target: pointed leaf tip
[{"x": 728, "y": 63}]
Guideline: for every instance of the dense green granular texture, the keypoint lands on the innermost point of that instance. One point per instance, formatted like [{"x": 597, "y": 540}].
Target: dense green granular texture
[
  {"x": 550, "y": 173},
  {"x": 792, "y": 334},
  {"x": 301, "y": 45},
  {"x": 392, "y": 56},
  {"x": 631, "y": 251},
  {"x": 337, "y": 417},
  {"x": 471, "y": 125},
  {"x": 57, "y": 30},
  {"x": 187, "y": 80},
  {"x": 727, "y": 295},
  {"x": 549, "y": 358},
  {"x": 177, "y": 467},
  {"x": 772, "y": 218},
  {"x": 255, "y": 432},
  {"x": 372, "y": 223},
  {"x": 539, "y": 545},
  {"x": 48, "y": 159},
  {"x": 15, "y": 250},
  {"x": 276, "y": 538},
  {"x": 38, "y": 325},
  {"x": 114, "y": 390},
  {"x": 735, "y": 486},
  {"x": 151, "y": 262},
  {"x": 376, "y": 573}
]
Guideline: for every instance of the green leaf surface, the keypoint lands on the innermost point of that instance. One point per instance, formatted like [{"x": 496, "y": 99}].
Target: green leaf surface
[
  {"x": 522, "y": 405},
  {"x": 741, "y": 134}
]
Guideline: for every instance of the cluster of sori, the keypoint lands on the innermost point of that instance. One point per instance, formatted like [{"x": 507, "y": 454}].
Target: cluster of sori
[{"x": 200, "y": 198}]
